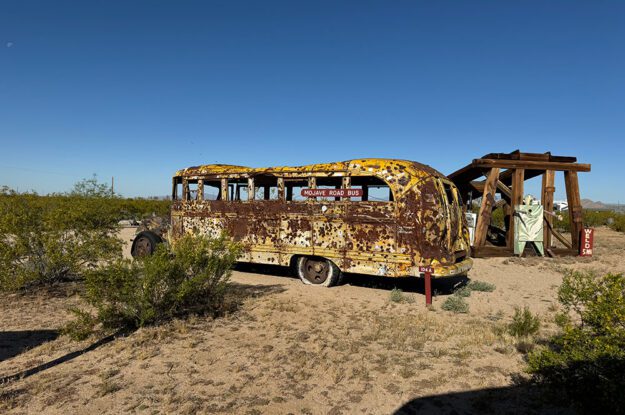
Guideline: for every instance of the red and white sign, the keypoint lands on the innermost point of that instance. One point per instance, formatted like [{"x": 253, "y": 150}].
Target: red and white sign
[
  {"x": 332, "y": 192},
  {"x": 426, "y": 269},
  {"x": 586, "y": 242}
]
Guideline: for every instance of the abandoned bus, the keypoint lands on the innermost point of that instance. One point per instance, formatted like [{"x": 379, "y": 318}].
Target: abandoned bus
[{"x": 368, "y": 216}]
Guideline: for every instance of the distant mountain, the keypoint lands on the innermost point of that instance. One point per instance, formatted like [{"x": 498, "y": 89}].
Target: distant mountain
[{"x": 589, "y": 204}]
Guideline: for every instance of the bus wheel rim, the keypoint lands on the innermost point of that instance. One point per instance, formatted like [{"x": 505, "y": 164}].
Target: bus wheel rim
[{"x": 316, "y": 271}]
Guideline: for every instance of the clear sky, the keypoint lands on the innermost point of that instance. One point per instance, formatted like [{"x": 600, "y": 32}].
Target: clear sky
[{"x": 139, "y": 89}]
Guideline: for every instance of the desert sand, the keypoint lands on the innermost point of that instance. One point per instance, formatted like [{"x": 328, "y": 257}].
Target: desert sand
[{"x": 293, "y": 348}]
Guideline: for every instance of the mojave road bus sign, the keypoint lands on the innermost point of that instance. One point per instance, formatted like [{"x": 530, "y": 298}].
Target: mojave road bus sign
[{"x": 332, "y": 192}]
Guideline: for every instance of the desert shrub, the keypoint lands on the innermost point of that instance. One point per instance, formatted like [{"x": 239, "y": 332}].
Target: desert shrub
[
  {"x": 497, "y": 218},
  {"x": 523, "y": 323},
  {"x": 587, "y": 360},
  {"x": 396, "y": 295},
  {"x": 126, "y": 208},
  {"x": 463, "y": 291},
  {"x": 619, "y": 223},
  {"x": 190, "y": 276},
  {"x": 481, "y": 286},
  {"x": 455, "y": 304},
  {"x": 44, "y": 239},
  {"x": 52, "y": 238},
  {"x": 593, "y": 218}
]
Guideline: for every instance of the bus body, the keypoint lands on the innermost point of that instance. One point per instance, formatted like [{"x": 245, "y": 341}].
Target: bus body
[{"x": 370, "y": 216}]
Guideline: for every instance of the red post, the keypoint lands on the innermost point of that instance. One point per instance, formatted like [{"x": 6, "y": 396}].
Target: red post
[{"x": 428, "y": 284}]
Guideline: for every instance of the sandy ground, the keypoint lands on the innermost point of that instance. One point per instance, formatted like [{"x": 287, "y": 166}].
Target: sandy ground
[{"x": 292, "y": 348}]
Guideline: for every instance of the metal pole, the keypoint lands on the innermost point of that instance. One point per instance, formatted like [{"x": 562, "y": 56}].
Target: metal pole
[
  {"x": 428, "y": 289},
  {"x": 427, "y": 271}
]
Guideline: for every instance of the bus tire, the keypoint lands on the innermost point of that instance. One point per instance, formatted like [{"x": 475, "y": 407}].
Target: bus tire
[
  {"x": 317, "y": 271},
  {"x": 145, "y": 244}
]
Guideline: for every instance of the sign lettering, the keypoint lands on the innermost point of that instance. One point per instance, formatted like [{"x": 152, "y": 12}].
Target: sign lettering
[
  {"x": 586, "y": 242},
  {"x": 331, "y": 192}
]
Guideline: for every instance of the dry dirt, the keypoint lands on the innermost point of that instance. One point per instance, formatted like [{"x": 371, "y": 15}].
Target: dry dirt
[{"x": 292, "y": 348}]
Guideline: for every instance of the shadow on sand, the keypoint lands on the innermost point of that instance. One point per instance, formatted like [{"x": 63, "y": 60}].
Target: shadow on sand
[
  {"x": 440, "y": 286},
  {"x": 517, "y": 399},
  {"x": 13, "y": 343}
]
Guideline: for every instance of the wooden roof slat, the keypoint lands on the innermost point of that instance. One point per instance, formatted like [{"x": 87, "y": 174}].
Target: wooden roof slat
[
  {"x": 517, "y": 155},
  {"x": 531, "y": 165}
]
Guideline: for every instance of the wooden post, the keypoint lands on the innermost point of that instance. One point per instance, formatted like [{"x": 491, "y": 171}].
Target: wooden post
[
  {"x": 548, "y": 189},
  {"x": 575, "y": 207},
  {"x": 518, "y": 180},
  {"x": 486, "y": 208}
]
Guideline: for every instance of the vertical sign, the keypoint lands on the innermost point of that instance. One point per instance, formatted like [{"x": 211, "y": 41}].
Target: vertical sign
[
  {"x": 586, "y": 242},
  {"x": 427, "y": 271}
]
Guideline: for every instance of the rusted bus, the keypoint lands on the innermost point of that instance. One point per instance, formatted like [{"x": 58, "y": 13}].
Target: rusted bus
[{"x": 407, "y": 214}]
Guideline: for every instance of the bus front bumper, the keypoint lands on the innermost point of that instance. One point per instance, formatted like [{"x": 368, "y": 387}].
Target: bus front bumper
[{"x": 444, "y": 270}]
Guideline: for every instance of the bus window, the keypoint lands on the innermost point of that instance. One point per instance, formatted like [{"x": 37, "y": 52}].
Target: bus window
[
  {"x": 293, "y": 189},
  {"x": 237, "y": 189},
  {"x": 212, "y": 189},
  {"x": 451, "y": 201},
  {"x": 177, "y": 190},
  {"x": 374, "y": 189},
  {"x": 329, "y": 183},
  {"x": 189, "y": 190},
  {"x": 266, "y": 188},
  {"x": 193, "y": 190}
]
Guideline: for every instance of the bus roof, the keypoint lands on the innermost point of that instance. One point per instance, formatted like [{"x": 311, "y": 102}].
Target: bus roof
[{"x": 356, "y": 167}]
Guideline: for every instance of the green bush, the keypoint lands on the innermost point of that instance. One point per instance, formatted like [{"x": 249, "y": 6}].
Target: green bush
[
  {"x": 523, "y": 323},
  {"x": 44, "y": 239},
  {"x": 455, "y": 304},
  {"x": 48, "y": 239},
  {"x": 396, "y": 295},
  {"x": 587, "y": 361},
  {"x": 593, "y": 219},
  {"x": 464, "y": 291},
  {"x": 481, "y": 286},
  {"x": 190, "y": 276}
]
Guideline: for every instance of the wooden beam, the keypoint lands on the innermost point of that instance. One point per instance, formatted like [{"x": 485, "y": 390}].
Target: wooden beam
[
  {"x": 506, "y": 176},
  {"x": 546, "y": 198},
  {"x": 531, "y": 165},
  {"x": 518, "y": 179},
  {"x": 505, "y": 190},
  {"x": 517, "y": 155},
  {"x": 559, "y": 236},
  {"x": 575, "y": 206},
  {"x": 486, "y": 209}
]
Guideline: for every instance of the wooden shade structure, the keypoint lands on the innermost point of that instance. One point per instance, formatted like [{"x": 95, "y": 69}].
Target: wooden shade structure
[{"x": 505, "y": 175}]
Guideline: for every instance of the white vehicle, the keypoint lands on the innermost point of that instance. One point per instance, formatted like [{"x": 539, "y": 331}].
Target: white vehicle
[{"x": 560, "y": 206}]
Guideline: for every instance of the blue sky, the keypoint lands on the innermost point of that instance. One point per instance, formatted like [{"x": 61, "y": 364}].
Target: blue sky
[{"x": 139, "y": 89}]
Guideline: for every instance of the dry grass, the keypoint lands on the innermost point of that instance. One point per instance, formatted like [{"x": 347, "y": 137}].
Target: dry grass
[{"x": 288, "y": 348}]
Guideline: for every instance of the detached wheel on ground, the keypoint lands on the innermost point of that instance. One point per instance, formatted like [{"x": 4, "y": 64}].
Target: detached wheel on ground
[
  {"x": 317, "y": 271},
  {"x": 145, "y": 243}
]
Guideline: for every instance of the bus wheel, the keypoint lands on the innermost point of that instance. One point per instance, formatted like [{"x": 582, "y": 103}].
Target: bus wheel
[
  {"x": 317, "y": 271},
  {"x": 144, "y": 244}
]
